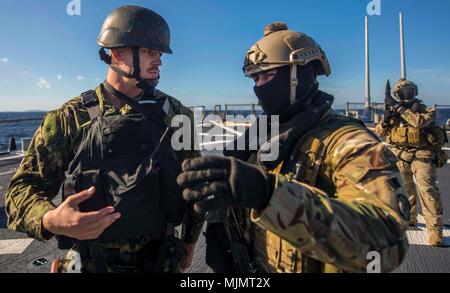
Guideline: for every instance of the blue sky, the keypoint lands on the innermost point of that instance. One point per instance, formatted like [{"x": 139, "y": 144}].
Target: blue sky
[{"x": 48, "y": 57}]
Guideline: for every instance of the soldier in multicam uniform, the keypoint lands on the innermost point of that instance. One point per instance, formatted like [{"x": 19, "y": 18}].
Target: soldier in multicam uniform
[
  {"x": 333, "y": 195},
  {"x": 136, "y": 37},
  {"x": 410, "y": 129}
]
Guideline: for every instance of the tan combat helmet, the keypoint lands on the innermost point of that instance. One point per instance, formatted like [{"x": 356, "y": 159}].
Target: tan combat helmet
[
  {"x": 405, "y": 84},
  {"x": 281, "y": 46}
]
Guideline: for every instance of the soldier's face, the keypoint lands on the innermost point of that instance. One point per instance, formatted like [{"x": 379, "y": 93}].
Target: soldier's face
[
  {"x": 150, "y": 60},
  {"x": 264, "y": 77}
]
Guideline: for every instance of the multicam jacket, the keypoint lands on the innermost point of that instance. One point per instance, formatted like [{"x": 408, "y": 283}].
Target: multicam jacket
[{"x": 347, "y": 208}]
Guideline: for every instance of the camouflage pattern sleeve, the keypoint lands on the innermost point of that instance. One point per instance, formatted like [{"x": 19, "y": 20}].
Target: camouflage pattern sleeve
[
  {"x": 39, "y": 176},
  {"x": 368, "y": 212},
  {"x": 419, "y": 120},
  {"x": 193, "y": 222}
]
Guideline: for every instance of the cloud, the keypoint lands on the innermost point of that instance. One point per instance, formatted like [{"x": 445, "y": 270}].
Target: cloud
[
  {"x": 79, "y": 77},
  {"x": 43, "y": 83},
  {"x": 59, "y": 77},
  {"x": 4, "y": 60},
  {"x": 25, "y": 72}
]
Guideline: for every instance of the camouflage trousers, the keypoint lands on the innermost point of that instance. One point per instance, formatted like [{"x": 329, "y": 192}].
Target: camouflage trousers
[{"x": 419, "y": 172}]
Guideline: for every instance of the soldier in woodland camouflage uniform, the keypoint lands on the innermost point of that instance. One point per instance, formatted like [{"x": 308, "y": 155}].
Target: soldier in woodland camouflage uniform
[
  {"x": 135, "y": 72},
  {"x": 334, "y": 193},
  {"x": 410, "y": 128}
]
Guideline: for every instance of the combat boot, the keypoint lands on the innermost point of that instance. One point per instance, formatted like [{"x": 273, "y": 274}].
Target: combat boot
[{"x": 435, "y": 237}]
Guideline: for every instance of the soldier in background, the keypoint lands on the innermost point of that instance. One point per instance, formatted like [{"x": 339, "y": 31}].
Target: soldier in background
[
  {"x": 334, "y": 193},
  {"x": 135, "y": 192},
  {"x": 410, "y": 128}
]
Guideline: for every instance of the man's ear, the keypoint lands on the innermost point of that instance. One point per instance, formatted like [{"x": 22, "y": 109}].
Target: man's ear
[{"x": 116, "y": 56}]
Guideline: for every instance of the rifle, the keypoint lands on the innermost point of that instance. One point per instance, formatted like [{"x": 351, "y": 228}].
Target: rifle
[
  {"x": 239, "y": 248},
  {"x": 171, "y": 253},
  {"x": 389, "y": 102},
  {"x": 391, "y": 105}
]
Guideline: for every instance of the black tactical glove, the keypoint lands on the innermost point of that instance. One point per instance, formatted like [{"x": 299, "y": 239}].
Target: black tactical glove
[
  {"x": 391, "y": 102},
  {"x": 401, "y": 108},
  {"x": 418, "y": 107},
  {"x": 217, "y": 182},
  {"x": 415, "y": 107}
]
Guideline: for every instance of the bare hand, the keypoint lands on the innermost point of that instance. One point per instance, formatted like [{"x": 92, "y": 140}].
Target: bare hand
[{"x": 67, "y": 219}]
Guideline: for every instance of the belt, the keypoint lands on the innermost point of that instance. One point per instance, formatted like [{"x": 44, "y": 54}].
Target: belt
[
  {"x": 414, "y": 157},
  {"x": 117, "y": 260},
  {"x": 141, "y": 260}
]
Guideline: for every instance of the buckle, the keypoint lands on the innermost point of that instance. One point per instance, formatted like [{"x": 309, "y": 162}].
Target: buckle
[{"x": 89, "y": 98}]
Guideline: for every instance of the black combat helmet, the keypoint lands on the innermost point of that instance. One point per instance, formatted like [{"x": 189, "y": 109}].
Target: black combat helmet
[{"x": 135, "y": 27}]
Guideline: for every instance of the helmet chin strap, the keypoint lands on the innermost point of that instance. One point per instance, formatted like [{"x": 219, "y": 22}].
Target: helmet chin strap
[
  {"x": 145, "y": 85},
  {"x": 136, "y": 71},
  {"x": 293, "y": 83}
]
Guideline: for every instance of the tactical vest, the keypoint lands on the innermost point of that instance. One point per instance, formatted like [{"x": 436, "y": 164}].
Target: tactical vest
[
  {"x": 130, "y": 161},
  {"x": 273, "y": 254},
  {"x": 405, "y": 136}
]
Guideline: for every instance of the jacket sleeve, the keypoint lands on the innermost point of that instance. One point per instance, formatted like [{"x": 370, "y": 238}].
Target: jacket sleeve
[
  {"x": 39, "y": 177},
  {"x": 369, "y": 211}
]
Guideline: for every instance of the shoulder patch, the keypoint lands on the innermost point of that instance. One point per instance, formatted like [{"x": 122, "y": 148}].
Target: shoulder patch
[{"x": 51, "y": 131}]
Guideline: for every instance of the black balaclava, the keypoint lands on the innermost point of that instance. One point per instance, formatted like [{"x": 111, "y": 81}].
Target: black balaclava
[
  {"x": 274, "y": 96},
  {"x": 406, "y": 94},
  {"x": 409, "y": 101}
]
